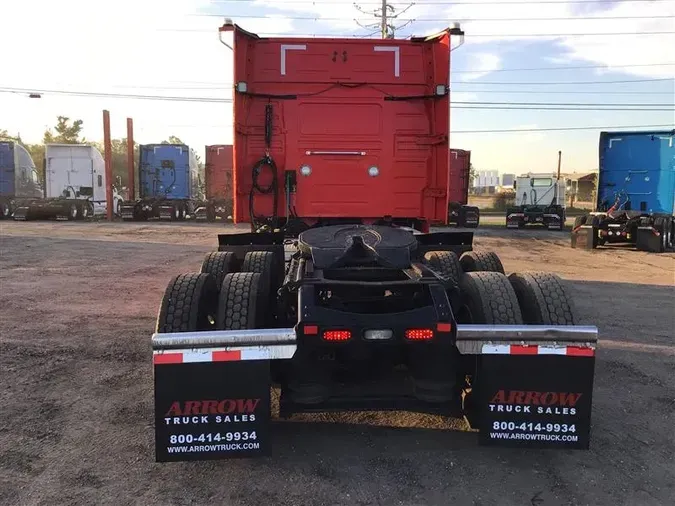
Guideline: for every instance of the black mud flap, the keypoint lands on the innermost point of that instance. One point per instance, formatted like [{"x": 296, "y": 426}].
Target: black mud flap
[
  {"x": 648, "y": 239},
  {"x": 536, "y": 400},
  {"x": 206, "y": 410}
]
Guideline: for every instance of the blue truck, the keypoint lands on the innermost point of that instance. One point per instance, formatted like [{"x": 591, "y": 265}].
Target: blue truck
[
  {"x": 19, "y": 180},
  {"x": 635, "y": 202},
  {"x": 170, "y": 182}
]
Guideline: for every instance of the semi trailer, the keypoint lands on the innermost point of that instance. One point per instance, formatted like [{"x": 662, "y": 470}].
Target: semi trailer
[
  {"x": 170, "y": 183},
  {"x": 19, "y": 179},
  {"x": 459, "y": 212},
  {"x": 218, "y": 184},
  {"x": 339, "y": 298},
  {"x": 635, "y": 199},
  {"x": 74, "y": 186},
  {"x": 540, "y": 200}
]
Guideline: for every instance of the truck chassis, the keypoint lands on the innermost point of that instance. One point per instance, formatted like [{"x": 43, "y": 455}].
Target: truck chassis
[
  {"x": 355, "y": 317},
  {"x": 646, "y": 232},
  {"x": 552, "y": 217}
]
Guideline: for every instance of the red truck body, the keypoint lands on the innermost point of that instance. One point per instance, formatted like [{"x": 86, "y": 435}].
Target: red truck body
[
  {"x": 460, "y": 166},
  {"x": 219, "y": 161},
  {"x": 367, "y": 119}
]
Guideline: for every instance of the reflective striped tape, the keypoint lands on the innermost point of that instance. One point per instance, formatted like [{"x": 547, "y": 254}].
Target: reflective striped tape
[
  {"x": 231, "y": 354},
  {"x": 519, "y": 349}
]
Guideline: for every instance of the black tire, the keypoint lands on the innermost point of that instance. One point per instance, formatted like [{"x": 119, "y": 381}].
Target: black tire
[
  {"x": 210, "y": 213},
  {"x": 118, "y": 211},
  {"x": 219, "y": 264},
  {"x": 263, "y": 263},
  {"x": 663, "y": 225},
  {"x": 189, "y": 304},
  {"x": 73, "y": 211},
  {"x": 5, "y": 211},
  {"x": 488, "y": 298},
  {"x": 481, "y": 261},
  {"x": 242, "y": 303},
  {"x": 85, "y": 211},
  {"x": 544, "y": 299},
  {"x": 445, "y": 263}
]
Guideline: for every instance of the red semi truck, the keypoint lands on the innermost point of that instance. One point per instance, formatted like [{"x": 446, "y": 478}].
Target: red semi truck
[
  {"x": 218, "y": 204},
  {"x": 339, "y": 297},
  {"x": 459, "y": 212}
]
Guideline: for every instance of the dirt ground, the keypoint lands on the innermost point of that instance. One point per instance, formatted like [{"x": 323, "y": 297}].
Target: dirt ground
[{"x": 77, "y": 308}]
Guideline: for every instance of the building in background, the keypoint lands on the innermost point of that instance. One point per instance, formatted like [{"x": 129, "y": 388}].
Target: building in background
[
  {"x": 508, "y": 180},
  {"x": 486, "y": 181}
]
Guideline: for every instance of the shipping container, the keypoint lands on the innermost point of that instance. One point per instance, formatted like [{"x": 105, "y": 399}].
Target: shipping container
[
  {"x": 635, "y": 201},
  {"x": 219, "y": 200},
  {"x": 171, "y": 183},
  {"x": 341, "y": 129},
  {"x": 459, "y": 213}
]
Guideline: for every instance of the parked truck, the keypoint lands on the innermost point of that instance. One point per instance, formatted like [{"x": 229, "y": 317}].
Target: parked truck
[
  {"x": 74, "y": 186},
  {"x": 218, "y": 184},
  {"x": 170, "y": 183},
  {"x": 339, "y": 296},
  {"x": 635, "y": 204},
  {"x": 540, "y": 200},
  {"x": 19, "y": 179},
  {"x": 459, "y": 212}
]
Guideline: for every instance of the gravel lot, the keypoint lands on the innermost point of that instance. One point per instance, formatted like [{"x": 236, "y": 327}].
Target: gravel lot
[{"x": 77, "y": 307}]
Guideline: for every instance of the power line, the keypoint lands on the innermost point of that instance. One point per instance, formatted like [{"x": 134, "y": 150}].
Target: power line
[
  {"x": 560, "y": 129},
  {"x": 448, "y": 2},
  {"x": 567, "y": 67},
  {"x": 474, "y": 35},
  {"x": 435, "y": 20},
  {"x": 560, "y": 106},
  {"x": 576, "y": 83}
]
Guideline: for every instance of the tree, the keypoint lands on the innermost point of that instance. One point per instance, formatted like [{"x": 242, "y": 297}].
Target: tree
[
  {"x": 173, "y": 140},
  {"x": 66, "y": 132},
  {"x": 4, "y": 135}
]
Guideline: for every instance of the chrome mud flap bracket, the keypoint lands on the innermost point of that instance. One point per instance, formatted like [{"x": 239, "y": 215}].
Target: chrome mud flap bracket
[{"x": 534, "y": 384}]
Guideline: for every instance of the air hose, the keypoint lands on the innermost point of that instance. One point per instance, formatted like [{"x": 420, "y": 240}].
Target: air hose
[{"x": 259, "y": 222}]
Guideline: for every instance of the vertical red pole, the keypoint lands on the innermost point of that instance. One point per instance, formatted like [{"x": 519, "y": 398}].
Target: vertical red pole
[
  {"x": 108, "y": 166},
  {"x": 131, "y": 174}
]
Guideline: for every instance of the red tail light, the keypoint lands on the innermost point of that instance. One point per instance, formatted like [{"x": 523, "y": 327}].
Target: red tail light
[
  {"x": 337, "y": 335},
  {"x": 311, "y": 330},
  {"x": 419, "y": 334}
]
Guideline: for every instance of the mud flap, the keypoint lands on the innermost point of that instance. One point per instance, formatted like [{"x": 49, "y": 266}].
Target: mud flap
[
  {"x": 211, "y": 405},
  {"x": 585, "y": 237},
  {"x": 536, "y": 400},
  {"x": 648, "y": 239}
]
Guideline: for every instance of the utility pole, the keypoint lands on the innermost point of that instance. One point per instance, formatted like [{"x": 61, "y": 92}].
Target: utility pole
[
  {"x": 387, "y": 13},
  {"x": 384, "y": 28},
  {"x": 107, "y": 156}
]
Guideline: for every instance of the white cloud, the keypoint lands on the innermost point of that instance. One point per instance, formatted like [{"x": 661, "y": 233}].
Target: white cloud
[
  {"x": 509, "y": 23},
  {"x": 481, "y": 64}
]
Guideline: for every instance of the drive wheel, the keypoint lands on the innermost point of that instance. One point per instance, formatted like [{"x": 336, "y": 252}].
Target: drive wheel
[
  {"x": 189, "y": 304},
  {"x": 488, "y": 298},
  {"x": 73, "y": 211},
  {"x": 663, "y": 225},
  {"x": 543, "y": 298},
  {"x": 481, "y": 261},
  {"x": 219, "y": 264},
  {"x": 242, "y": 302},
  {"x": 5, "y": 211},
  {"x": 265, "y": 264},
  {"x": 580, "y": 221},
  {"x": 445, "y": 263}
]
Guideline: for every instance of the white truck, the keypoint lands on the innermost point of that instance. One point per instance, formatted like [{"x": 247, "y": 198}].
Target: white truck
[
  {"x": 74, "y": 185},
  {"x": 540, "y": 200}
]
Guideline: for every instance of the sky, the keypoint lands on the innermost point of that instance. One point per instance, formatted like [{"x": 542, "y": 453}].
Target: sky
[{"x": 170, "y": 48}]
